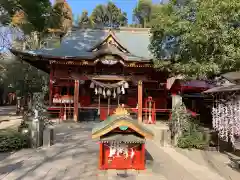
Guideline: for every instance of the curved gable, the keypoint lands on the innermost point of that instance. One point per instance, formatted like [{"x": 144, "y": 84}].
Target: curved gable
[
  {"x": 110, "y": 40},
  {"x": 116, "y": 121}
]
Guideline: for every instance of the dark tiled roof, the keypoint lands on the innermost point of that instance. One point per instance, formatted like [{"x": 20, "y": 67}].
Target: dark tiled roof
[
  {"x": 78, "y": 43},
  {"x": 75, "y": 43},
  {"x": 223, "y": 89},
  {"x": 232, "y": 76},
  {"x": 197, "y": 84},
  {"x": 136, "y": 42}
]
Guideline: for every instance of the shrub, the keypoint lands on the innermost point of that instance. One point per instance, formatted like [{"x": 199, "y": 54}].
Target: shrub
[
  {"x": 186, "y": 129},
  {"x": 11, "y": 140},
  {"x": 197, "y": 139}
]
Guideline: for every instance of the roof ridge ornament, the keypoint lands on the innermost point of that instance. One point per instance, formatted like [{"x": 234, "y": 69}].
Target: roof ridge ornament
[
  {"x": 109, "y": 39},
  {"x": 120, "y": 110},
  {"x": 111, "y": 32}
]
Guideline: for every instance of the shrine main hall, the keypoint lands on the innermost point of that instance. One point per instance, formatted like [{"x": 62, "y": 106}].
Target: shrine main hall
[{"x": 98, "y": 70}]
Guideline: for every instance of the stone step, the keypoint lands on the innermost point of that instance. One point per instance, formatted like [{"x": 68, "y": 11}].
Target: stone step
[{"x": 193, "y": 168}]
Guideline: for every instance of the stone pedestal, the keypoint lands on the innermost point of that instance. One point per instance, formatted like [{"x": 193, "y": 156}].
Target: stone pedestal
[
  {"x": 176, "y": 100},
  {"x": 162, "y": 135},
  {"x": 18, "y": 105},
  {"x": 36, "y": 133},
  {"x": 48, "y": 136}
]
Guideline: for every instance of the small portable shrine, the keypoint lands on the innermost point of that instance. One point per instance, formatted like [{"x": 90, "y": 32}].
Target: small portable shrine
[{"x": 122, "y": 141}]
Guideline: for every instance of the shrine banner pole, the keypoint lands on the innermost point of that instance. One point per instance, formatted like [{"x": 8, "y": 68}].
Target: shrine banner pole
[{"x": 140, "y": 94}]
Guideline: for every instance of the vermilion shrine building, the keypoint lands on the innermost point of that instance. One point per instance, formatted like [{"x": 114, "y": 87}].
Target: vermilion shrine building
[
  {"x": 100, "y": 69},
  {"x": 121, "y": 141}
]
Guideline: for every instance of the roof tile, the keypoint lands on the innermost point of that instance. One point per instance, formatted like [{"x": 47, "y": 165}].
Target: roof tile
[{"x": 77, "y": 43}]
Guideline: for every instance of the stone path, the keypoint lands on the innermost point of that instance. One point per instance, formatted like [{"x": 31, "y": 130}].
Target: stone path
[
  {"x": 164, "y": 163},
  {"x": 198, "y": 171},
  {"x": 221, "y": 163},
  {"x": 75, "y": 157},
  {"x": 8, "y": 117},
  {"x": 7, "y": 110}
]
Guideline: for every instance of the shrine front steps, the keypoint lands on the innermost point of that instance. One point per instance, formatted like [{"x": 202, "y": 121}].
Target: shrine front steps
[{"x": 162, "y": 134}]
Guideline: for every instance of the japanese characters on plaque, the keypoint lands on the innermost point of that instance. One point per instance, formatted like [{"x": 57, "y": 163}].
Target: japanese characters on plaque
[{"x": 109, "y": 60}]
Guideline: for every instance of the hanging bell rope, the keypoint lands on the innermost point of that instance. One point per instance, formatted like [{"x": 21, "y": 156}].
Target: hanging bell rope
[
  {"x": 109, "y": 86},
  {"x": 92, "y": 85},
  {"x": 123, "y": 90},
  {"x": 104, "y": 94},
  {"x": 99, "y": 104},
  {"x": 96, "y": 91},
  {"x": 114, "y": 88},
  {"x": 118, "y": 90},
  {"x": 126, "y": 85},
  {"x": 108, "y": 93},
  {"x": 100, "y": 90},
  {"x": 114, "y": 93}
]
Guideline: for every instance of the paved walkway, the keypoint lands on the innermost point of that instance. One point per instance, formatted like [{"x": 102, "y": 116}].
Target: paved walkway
[
  {"x": 7, "y": 110},
  {"x": 221, "y": 164},
  {"x": 8, "y": 118},
  {"x": 198, "y": 171},
  {"x": 75, "y": 157}
]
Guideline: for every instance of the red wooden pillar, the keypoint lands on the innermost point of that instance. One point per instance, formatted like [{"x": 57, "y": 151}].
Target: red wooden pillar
[
  {"x": 154, "y": 118},
  {"x": 140, "y": 96},
  {"x": 100, "y": 160},
  {"x": 143, "y": 157},
  {"x": 51, "y": 86},
  {"x": 76, "y": 97}
]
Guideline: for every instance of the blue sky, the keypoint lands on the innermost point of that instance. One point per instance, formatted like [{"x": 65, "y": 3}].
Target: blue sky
[
  {"x": 126, "y": 5},
  {"x": 79, "y": 5}
]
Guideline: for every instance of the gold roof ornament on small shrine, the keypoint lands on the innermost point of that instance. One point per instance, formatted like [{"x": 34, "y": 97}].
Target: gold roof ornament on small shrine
[{"x": 121, "y": 111}]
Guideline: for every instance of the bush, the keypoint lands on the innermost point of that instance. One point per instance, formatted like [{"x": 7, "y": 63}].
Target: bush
[
  {"x": 187, "y": 130},
  {"x": 197, "y": 140},
  {"x": 11, "y": 140}
]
